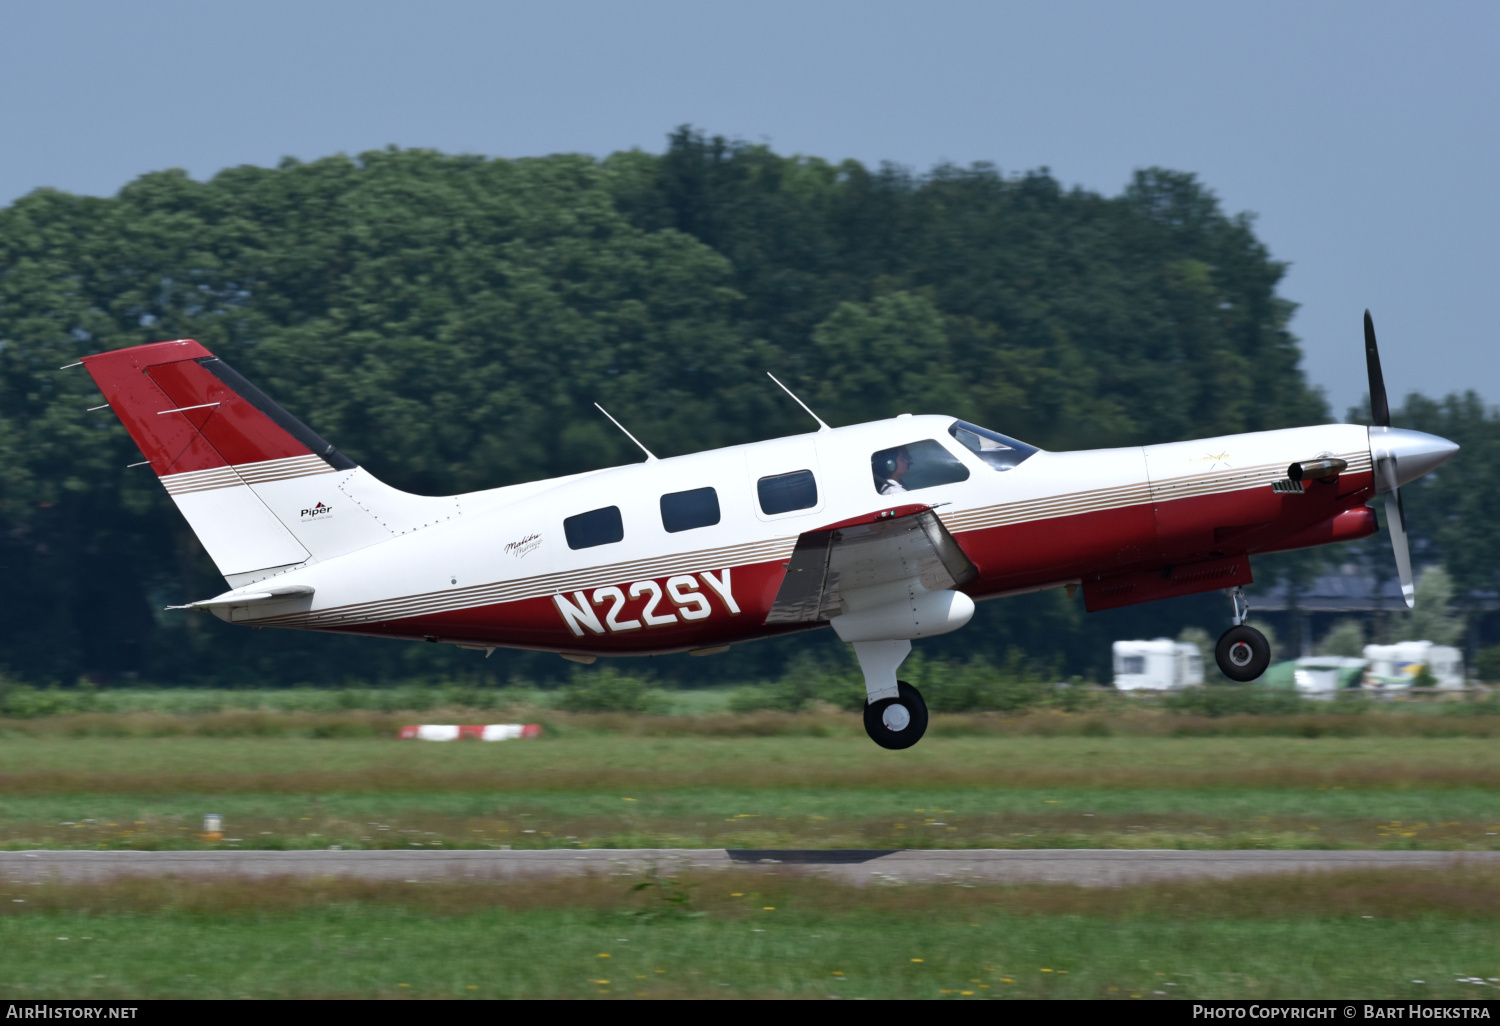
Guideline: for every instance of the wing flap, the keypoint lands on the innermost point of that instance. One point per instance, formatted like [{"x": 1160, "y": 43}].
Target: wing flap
[{"x": 882, "y": 549}]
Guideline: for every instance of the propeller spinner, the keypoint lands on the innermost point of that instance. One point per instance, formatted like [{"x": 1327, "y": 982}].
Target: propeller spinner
[{"x": 1400, "y": 456}]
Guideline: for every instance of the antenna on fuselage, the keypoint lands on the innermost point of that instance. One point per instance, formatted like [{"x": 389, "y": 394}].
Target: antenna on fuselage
[
  {"x": 650, "y": 457},
  {"x": 799, "y": 402}
]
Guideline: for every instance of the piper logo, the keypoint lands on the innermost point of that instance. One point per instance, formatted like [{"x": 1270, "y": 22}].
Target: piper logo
[
  {"x": 683, "y": 597},
  {"x": 317, "y": 512}
]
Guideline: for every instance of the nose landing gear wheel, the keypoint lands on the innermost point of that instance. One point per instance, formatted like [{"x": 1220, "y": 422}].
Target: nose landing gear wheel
[
  {"x": 897, "y": 722},
  {"x": 1243, "y": 653}
]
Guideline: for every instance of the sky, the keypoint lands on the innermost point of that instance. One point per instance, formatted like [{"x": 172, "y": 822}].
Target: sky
[{"x": 1365, "y": 137}]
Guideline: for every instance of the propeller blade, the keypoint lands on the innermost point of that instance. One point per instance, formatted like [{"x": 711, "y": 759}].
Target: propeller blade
[
  {"x": 1380, "y": 410},
  {"x": 1395, "y": 522}
]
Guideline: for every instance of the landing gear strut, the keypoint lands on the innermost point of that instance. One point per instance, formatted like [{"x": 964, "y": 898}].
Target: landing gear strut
[
  {"x": 897, "y": 722},
  {"x": 895, "y": 715},
  {"x": 1243, "y": 653}
]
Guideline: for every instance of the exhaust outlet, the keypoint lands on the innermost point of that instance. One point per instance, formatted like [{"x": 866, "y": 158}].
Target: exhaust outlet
[{"x": 1317, "y": 470}]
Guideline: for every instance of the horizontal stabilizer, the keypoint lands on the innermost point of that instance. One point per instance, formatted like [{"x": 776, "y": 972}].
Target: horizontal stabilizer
[{"x": 242, "y": 598}]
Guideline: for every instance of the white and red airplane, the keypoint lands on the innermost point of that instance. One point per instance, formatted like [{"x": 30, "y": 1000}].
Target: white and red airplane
[{"x": 887, "y": 531}]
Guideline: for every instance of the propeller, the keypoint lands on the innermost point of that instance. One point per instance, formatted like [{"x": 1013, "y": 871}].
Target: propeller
[{"x": 1387, "y": 473}]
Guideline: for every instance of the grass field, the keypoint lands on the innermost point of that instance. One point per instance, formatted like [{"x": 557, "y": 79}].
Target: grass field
[
  {"x": 1370, "y": 935},
  {"x": 145, "y": 780},
  {"x": 598, "y": 789}
]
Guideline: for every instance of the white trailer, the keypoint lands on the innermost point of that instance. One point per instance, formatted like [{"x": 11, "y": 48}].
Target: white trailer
[
  {"x": 1395, "y": 667},
  {"x": 1160, "y": 665}
]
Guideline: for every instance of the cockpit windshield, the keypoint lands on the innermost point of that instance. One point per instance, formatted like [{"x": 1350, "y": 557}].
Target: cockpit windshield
[{"x": 1000, "y": 451}]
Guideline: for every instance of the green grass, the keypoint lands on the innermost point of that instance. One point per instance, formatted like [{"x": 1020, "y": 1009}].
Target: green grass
[
  {"x": 755, "y": 935},
  {"x": 613, "y": 782},
  {"x": 595, "y": 789},
  {"x": 961, "y": 691},
  {"x": 697, "y": 701},
  {"x": 28, "y": 703},
  {"x": 586, "y": 758}
]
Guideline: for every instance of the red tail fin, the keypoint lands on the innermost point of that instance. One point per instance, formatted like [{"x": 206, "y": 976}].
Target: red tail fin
[
  {"x": 189, "y": 411},
  {"x": 260, "y": 489},
  {"x": 217, "y": 443}
]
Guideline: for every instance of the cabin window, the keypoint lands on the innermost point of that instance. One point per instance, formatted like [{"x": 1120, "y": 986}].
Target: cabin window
[
  {"x": 596, "y": 527},
  {"x": 999, "y": 451},
  {"x": 783, "y": 493},
  {"x": 905, "y": 468},
  {"x": 683, "y": 511},
  {"x": 1133, "y": 664}
]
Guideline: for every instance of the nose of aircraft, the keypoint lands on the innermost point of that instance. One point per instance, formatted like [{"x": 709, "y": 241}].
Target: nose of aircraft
[{"x": 1416, "y": 452}]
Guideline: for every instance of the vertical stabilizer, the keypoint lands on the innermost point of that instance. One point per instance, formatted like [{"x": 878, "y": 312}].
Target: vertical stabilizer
[{"x": 262, "y": 491}]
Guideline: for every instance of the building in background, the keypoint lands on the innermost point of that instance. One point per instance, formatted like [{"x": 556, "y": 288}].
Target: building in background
[{"x": 1302, "y": 616}]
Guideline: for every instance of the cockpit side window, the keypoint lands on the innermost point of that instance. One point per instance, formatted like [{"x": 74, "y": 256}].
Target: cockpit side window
[
  {"x": 923, "y": 464},
  {"x": 1000, "y": 451}
]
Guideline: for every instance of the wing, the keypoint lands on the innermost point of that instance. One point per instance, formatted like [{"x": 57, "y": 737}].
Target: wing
[{"x": 893, "y": 545}]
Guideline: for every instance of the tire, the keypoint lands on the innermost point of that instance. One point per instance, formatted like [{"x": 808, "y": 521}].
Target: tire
[
  {"x": 1243, "y": 653},
  {"x": 882, "y": 716}
]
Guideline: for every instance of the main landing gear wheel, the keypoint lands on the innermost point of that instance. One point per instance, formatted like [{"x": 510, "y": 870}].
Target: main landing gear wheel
[
  {"x": 1243, "y": 653},
  {"x": 897, "y": 722}
]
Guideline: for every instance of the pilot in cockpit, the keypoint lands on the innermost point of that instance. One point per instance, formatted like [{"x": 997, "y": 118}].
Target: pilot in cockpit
[{"x": 890, "y": 466}]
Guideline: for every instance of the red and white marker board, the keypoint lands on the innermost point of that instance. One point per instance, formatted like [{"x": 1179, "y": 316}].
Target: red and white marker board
[{"x": 477, "y": 732}]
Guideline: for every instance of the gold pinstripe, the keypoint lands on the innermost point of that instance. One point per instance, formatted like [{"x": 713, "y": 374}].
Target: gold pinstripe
[
  {"x": 541, "y": 586},
  {"x": 245, "y": 473},
  {"x": 1050, "y": 507},
  {"x": 1092, "y": 501}
]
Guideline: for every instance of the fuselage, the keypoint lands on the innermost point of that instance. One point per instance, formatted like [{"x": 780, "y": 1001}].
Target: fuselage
[{"x": 513, "y": 567}]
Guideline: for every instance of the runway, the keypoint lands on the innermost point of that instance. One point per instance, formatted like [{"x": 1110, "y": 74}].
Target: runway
[{"x": 1083, "y": 867}]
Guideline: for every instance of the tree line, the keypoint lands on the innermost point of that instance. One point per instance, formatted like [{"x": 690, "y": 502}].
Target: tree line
[{"x": 448, "y": 322}]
